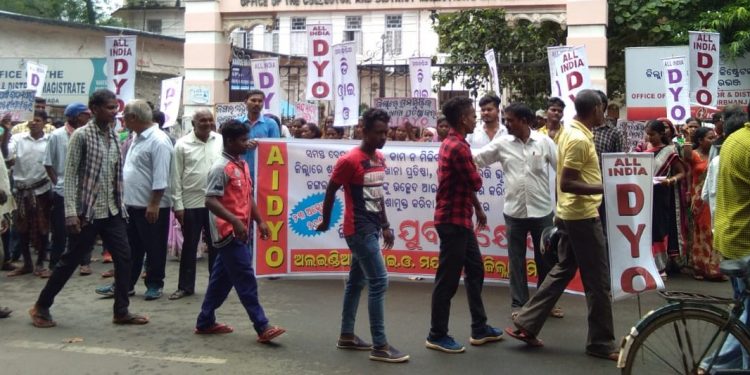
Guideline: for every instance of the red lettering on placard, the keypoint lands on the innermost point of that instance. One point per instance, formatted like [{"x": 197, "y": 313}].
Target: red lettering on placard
[
  {"x": 320, "y": 47},
  {"x": 705, "y": 76},
  {"x": 320, "y": 89},
  {"x": 118, "y": 84},
  {"x": 626, "y": 280},
  {"x": 633, "y": 238},
  {"x": 703, "y": 97},
  {"x": 623, "y": 202},
  {"x": 320, "y": 67},
  {"x": 705, "y": 60},
  {"x": 121, "y": 66}
]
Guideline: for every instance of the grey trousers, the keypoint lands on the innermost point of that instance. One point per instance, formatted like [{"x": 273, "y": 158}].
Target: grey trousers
[
  {"x": 583, "y": 247},
  {"x": 516, "y": 230}
]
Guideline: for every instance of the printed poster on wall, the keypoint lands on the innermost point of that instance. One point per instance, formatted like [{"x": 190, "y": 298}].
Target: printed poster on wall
[
  {"x": 347, "y": 84},
  {"x": 489, "y": 55},
  {"x": 266, "y": 78},
  {"x": 704, "y": 68},
  {"x": 628, "y": 195},
  {"x": 677, "y": 92},
  {"x": 297, "y": 174},
  {"x": 36, "y": 73},
  {"x": 319, "y": 62},
  {"x": 169, "y": 103},
  {"x": 572, "y": 67},
  {"x": 121, "y": 65},
  {"x": 420, "y": 76}
]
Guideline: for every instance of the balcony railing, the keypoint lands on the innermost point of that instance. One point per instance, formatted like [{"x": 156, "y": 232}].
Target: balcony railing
[{"x": 140, "y": 4}]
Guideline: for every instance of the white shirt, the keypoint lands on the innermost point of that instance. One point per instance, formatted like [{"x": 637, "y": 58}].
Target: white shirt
[
  {"x": 480, "y": 138},
  {"x": 29, "y": 154},
  {"x": 526, "y": 167},
  {"x": 146, "y": 168},
  {"x": 710, "y": 185},
  {"x": 191, "y": 162}
]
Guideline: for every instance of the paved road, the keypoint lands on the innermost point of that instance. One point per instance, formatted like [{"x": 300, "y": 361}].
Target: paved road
[{"x": 309, "y": 309}]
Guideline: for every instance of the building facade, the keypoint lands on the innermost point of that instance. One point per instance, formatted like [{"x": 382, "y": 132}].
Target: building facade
[{"x": 165, "y": 17}]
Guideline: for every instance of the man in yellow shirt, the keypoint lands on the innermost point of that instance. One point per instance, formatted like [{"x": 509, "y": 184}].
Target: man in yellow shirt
[
  {"x": 579, "y": 192},
  {"x": 553, "y": 126}
]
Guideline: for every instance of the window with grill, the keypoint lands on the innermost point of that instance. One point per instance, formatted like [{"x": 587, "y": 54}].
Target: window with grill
[
  {"x": 353, "y": 31},
  {"x": 393, "y": 34},
  {"x": 299, "y": 24},
  {"x": 153, "y": 26},
  {"x": 248, "y": 39},
  {"x": 298, "y": 36}
]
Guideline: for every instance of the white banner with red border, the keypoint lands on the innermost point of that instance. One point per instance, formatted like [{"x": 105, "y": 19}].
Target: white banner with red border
[{"x": 628, "y": 195}]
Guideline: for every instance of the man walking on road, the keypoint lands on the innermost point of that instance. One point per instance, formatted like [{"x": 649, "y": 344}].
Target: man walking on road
[
  {"x": 93, "y": 185},
  {"x": 361, "y": 172},
  {"x": 458, "y": 182},
  {"x": 579, "y": 192}
]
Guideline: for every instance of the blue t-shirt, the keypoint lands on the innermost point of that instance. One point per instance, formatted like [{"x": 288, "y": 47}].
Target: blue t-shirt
[{"x": 262, "y": 128}]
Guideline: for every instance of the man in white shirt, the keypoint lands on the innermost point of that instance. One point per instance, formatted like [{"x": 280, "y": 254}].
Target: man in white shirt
[
  {"x": 26, "y": 150},
  {"x": 526, "y": 157},
  {"x": 492, "y": 128},
  {"x": 194, "y": 154}
]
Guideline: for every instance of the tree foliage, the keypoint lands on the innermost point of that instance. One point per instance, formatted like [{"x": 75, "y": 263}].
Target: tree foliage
[
  {"x": 520, "y": 47},
  {"x": 81, "y": 11}
]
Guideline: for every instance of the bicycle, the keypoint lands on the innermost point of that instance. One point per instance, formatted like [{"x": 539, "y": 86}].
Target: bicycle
[{"x": 684, "y": 336}]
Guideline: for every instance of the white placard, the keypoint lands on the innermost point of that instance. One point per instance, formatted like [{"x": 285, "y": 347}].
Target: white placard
[
  {"x": 121, "y": 65},
  {"x": 347, "y": 84},
  {"x": 628, "y": 195},
  {"x": 572, "y": 67},
  {"x": 552, "y": 53},
  {"x": 420, "y": 76},
  {"x": 319, "y": 62},
  {"x": 169, "y": 104},
  {"x": 489, "y": 55},
  {"x": 677, "y": 85},
  {"x": 35, "y": 76},
  {"x": 704, "y": 68},
  {"x": 266, "y": 78}
]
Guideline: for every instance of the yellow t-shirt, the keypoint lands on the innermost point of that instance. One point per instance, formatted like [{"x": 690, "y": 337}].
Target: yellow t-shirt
[
  {"x": 576, "y": 150},
  {"x": 556, "y": 138},
  {"x": 23, "y": 127},
  {"x": 732, "y": 217}
]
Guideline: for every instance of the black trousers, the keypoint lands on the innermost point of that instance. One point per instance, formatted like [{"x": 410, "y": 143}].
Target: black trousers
[
  {"x": 150, "y": 241},
  {"x": 459, "y": 251},
  {"x": 113, "y": 232},
  {"x": 194, "y": 223},
  {"x": 59, "y": 234}
]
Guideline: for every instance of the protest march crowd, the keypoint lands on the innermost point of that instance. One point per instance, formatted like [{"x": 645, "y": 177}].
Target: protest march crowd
[{"x": 64, "y": 188}]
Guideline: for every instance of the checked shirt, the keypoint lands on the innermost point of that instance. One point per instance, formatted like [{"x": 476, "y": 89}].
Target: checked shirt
[{"x": 458, "y": 180}]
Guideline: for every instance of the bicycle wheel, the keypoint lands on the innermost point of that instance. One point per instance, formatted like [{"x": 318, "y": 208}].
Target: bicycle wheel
[{"x": 678, "y": 341}]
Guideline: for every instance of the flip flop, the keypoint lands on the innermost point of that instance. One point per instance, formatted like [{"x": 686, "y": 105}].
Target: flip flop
[
  {"x": 217, "y": 328},
  {"x": 270, "y": 333},
  {"x": 41, "y": 320},
  {"x": 130, "y": 318},
  {"x": 614, "y": 356},
  {"x": 525, "y": 336}
]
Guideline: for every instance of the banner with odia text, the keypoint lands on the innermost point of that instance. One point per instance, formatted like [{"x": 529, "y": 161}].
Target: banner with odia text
[
  {"x": 420, "y": 76},
  {"x": 347, "y": 84},
  {"x": 296, "y": 175}
]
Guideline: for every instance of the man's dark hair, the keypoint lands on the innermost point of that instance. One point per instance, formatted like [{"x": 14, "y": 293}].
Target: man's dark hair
[
  {"x": 732, "y": 110},
  {"x": 371, "y": 116},
  {"x": 314, "y": 129},
  {"x": 101, "y": 97},
  {"x": 521, "y": 111},
  {"x": 233, "y": 129},
  {"x": 42, "y": 114},
  {"x": 158, "y": 117},
  {"x": 490, "y": 99},
  {"x": 40, "y": 100},
  {"x": 603, "y": 97},
  {"x": 613, "y": 107},
  {"x": 734, "y": 123},
  {"x": 455, "y": 108},
  {"x": 716, "y": 117},
  {"x": 555, "y": 101},
  {"x": 691, "y": 119},
  {"x": 586, "y": 103},
  {"x": 301, "y": 121},
  {"x": 255, "y": 92}
]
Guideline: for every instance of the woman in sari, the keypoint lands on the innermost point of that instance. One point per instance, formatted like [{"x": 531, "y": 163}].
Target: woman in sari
[
  {"x": 668, "y": 171},
  {"x": 705, "y": 260}
]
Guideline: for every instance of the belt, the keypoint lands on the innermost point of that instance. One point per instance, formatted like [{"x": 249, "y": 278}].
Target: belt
[{"x": 38, "y": 184}]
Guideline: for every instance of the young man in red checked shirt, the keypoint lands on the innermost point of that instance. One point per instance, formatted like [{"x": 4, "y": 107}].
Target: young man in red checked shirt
[
  {"x": 458, "y": 182},
  {"x": 361, "y": 172},
  {"x": 229, "y": 199}
]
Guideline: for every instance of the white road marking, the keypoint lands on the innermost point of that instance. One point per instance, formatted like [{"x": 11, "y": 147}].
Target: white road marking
[{"x": 75, "y": 348}]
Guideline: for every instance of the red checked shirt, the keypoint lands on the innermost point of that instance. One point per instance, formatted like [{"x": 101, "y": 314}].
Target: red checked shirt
[{"x": 458, "y": 179}]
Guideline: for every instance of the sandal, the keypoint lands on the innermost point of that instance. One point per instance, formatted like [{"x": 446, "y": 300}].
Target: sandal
[
  {"x": 41, "y": 318},
  {"x": 523, "y": 335},
  {"x": 270, "y": 333},
  {"x": 557, "y": 312},
  {"x": 217, "y": 328},
  {"x": 42, "y": 273},
  {"x": 130, "y": 318},
  {"x": 109, "y": 273},
  {"x": 179, "y": 294},
  {"x": 19, "y": 272},
  {"x": 614, "y": 356}
]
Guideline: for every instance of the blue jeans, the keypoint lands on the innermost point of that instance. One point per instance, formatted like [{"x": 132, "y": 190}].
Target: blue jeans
[
  {"x": 731, "y": 355},
  {"x": 367, "y": 268},
  {"x": 233, "y": 267}
]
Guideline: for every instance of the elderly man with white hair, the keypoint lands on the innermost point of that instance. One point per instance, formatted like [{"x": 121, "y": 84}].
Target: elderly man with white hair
[
  {"x": 146, "y": 180},
  {"x": 194, "y": 154}
]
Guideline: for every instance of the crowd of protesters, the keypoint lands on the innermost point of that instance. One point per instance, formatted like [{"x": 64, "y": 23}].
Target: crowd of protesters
[{"x": 83, "y": 181}]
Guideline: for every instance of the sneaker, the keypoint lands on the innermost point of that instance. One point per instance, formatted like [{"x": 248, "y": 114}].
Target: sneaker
[
  {"x": 152, "y": 294},
  {"x": 109, "y": 291},
  {"x": 354, "y": 343},
  {"x": 490, "y": 334},
  {"x": 388, "y": 354},
  {"x": 444, "y": 344}
]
